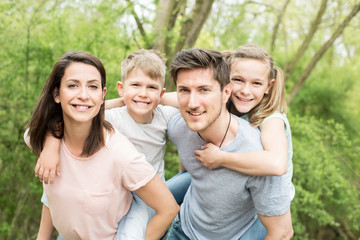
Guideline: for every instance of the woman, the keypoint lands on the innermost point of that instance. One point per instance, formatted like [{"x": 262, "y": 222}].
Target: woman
[{"x": 99, "y": 165}]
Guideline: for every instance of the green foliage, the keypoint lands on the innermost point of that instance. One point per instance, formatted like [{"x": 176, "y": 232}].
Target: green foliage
[
  {"x": 324, "y": 115},
  {"x": 324, "y": 190}
]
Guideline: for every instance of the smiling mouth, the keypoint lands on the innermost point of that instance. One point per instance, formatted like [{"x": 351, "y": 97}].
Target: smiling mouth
[
  {"x": 141, "y": 103},
  {"x": 196, "y": 113},
  {"x": 81, "y": 106},
  {"x": 244, "y": 100}
]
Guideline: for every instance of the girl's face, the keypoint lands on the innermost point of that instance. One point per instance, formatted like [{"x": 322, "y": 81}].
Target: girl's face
[
  {"x": 250, "y": 82},
  {"x": 80, "y": 94}
]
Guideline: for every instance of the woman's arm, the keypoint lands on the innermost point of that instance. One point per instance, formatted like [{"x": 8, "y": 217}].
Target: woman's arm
[
  {"x": 46, "y": 228},
  {"x": 273, "y": 161},
  {"x": 156, "y": 195},
  {"x": 170, "y": 99}
]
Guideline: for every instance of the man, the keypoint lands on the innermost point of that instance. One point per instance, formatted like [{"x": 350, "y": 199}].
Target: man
[{"x": 220, "y": 203}]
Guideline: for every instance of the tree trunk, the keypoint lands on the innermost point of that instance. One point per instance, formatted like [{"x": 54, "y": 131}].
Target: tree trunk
[
  {"x": 300, "y": 82},
  {"x": 166, "y": 16}
]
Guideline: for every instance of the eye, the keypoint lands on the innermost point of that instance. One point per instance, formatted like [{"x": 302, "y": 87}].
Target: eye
[
  {"x": 73, "y": 85},
  {"x": 237, "y": 80},
  {"x": 153, "y": 87},
  {"x": 257, "y": 83},
  {"x": 204, "y": 90},
  {"x": 93, "y": 86},
  {"x": 135, "y": 84},
  {"x": 183, "y": 90}
]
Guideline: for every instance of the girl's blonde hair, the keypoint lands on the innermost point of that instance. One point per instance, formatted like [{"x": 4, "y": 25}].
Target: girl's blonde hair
[{"x": 275, "y": 99}]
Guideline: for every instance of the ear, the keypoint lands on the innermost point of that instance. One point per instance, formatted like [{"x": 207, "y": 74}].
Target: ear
[
  {"x": 104, "y": 94},
  {"x": 56, "y": 95},
  {"x": 271, "y": 84},
  {"x": 162, "y": 92},
  {"x": 227, "y": 92},
  {"x": 120, "y": 88}
]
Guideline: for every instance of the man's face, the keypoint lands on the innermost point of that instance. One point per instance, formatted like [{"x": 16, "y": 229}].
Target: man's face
[{"x": 200, "y": 97}]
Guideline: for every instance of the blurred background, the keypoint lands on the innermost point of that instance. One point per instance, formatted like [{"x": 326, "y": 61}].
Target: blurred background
[{"x": 315, "y": 42}]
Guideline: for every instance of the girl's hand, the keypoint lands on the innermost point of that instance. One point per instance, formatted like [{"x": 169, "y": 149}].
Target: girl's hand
[{"x": 210, "y": 156}]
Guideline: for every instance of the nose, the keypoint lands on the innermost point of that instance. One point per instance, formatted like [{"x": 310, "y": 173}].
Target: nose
[
  {"x": 143, "y": 92},
  {"x": 245, "y": 88},
  {"x": 83, "y": 93},
  {"x": 193, "y": 101}
]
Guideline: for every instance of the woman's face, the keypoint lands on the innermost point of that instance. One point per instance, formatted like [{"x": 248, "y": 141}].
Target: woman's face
[
  {"x": 80, "y": 94},
  {"x": 250, "y": 82}
]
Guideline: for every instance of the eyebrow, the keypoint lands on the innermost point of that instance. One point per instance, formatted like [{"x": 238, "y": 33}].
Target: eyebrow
[
  {"x": 88, "y": 81},
  {"x": 252, "y": 79}
]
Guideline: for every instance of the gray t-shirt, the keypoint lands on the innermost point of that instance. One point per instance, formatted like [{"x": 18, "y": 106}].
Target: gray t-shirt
[
  {"x": 222, "y": 203},
  {"x": 149, "y": 139}
]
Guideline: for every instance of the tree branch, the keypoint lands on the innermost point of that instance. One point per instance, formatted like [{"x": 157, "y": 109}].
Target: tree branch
[
  {"x": 321, "y": 52},
  {"x": 277, "y": 25},
  {"x": 314, "y": 26},
  {"x": 138, "y": 23}
]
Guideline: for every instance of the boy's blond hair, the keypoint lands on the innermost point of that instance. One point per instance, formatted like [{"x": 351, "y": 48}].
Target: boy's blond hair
[
  {"x": 150, "y": 61},
  {"x": 275, "y": 99}
]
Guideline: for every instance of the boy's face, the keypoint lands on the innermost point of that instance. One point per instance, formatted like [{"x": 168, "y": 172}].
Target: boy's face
[{"x": 141, "y": 95}]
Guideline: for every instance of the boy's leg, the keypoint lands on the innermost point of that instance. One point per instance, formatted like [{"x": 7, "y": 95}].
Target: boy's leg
[
  {"x": 133, "y": 225},
  {"x": 178, "y": 185},
  {"x": 176, "y": 232},
  {"x": 257, "y": 231}
]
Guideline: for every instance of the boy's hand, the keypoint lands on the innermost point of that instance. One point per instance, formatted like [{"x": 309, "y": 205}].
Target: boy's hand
[
  {"x": 48, "y": 164},
  {"x": 45, "y": 170}
]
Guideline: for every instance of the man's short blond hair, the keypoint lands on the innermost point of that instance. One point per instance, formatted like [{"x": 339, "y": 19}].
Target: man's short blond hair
[{"x": 150, "y": 61}]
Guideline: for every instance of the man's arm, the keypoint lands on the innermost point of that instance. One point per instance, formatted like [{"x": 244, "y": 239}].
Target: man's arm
[{"x": 278, "y": 227}]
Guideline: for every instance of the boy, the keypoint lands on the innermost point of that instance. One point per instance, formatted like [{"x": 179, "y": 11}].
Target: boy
[{"x": 142, "y": 120}]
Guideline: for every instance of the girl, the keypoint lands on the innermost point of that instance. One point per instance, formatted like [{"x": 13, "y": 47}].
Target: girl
[
  {"x": 258, "y": 96},
  {"x": 99, "y": 165}
]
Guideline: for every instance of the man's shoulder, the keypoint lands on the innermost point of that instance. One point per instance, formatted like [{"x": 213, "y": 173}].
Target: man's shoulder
[
  {"x": 176, "y": 124},
  {"x": 245, "y": 125},
  {"x": 165, "y": 112},
  {"x": 248, "y": 137}
]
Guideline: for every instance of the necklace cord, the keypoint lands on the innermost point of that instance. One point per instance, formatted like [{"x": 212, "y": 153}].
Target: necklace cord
[{"x": 227, "y": 129}]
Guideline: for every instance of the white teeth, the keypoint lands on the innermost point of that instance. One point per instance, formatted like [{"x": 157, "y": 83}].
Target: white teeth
[
  {"x": 141, "y": 103},
  {"x": 196, "y": 114},
  {"x": 83, "y": 107},
  {"x": 244, "y": 100}
]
